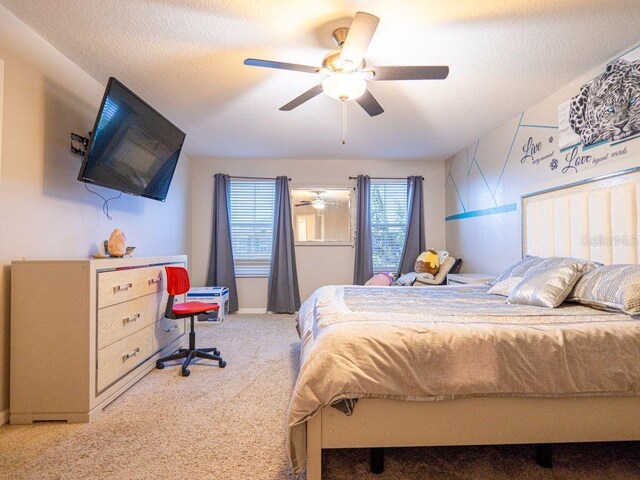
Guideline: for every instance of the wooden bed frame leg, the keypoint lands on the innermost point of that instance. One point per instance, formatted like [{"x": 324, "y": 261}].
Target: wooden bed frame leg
[
  {"x": 544, "y": 455},
  {"x": 377, "y": 460},
  {"x": 314, "y": 447}
]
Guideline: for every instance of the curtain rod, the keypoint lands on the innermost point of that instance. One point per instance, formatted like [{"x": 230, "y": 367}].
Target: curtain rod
[
  {"x": 254, "y": 178},
  {"x": 384, "y": 178}
]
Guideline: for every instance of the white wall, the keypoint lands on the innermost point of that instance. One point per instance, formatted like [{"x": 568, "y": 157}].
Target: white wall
[
  {"x": 44, "y": 211},
  {"x": 495, "y": 171},
  {"x": 1, "y": 116},
  {"x": 317, "y": 266}
]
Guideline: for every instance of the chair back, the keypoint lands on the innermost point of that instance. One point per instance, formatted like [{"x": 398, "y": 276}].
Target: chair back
[
  {"x": 177, "y": 280},
  {"x": 456, "y": 266}
]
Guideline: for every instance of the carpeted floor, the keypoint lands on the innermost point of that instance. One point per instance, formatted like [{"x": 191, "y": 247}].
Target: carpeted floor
[{"x": 228, "y": 424}]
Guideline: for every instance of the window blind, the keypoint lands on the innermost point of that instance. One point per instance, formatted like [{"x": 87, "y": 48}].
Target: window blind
[
  {"x": 251, "y": 212},
  {"x": 388, "y": 224}
]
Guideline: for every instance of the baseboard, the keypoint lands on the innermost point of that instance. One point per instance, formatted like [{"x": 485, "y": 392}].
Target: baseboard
[
  {"x": 253, "y": 311},
  {"x": 4, "y": 416}
]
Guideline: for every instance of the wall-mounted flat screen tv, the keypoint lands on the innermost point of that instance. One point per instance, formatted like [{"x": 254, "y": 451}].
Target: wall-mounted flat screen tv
[{"x": 132, "y": 148}]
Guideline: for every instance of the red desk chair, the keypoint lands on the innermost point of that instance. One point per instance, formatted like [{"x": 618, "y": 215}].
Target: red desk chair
[{"x": 177, "y": 284}]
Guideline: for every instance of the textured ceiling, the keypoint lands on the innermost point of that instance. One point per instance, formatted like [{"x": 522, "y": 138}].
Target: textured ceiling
[{"x": 185, "y": 58}]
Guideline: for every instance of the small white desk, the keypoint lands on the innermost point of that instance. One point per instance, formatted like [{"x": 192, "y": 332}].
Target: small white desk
[{"x": 464, "y": 278}]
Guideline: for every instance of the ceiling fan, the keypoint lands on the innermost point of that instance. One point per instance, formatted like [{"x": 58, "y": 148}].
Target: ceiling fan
[
  {"x": 318, "y": 203},
  {"x": 346, "y": 71}
]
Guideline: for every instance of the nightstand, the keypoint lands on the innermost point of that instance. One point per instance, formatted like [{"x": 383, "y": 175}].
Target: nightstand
[{"x": 464, "y": 278}]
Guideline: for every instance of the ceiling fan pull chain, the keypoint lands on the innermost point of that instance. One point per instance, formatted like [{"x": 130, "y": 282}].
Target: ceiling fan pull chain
[{"x": 344, "y": 122}]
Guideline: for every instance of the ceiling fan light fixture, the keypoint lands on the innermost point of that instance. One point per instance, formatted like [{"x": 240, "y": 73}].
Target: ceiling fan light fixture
[
  {"x": 344, "y": 85},
  {"x": 319, "y": 205}
]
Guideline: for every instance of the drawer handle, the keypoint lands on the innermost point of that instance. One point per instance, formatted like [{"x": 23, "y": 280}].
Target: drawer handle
[
  {"x": 155, "y": 280},
  {"x": 171, "y": 328},
  {"x": 130, "y": 319},
  {"x": 122, "y": 288},
  {"x": 127, "y": 356}
]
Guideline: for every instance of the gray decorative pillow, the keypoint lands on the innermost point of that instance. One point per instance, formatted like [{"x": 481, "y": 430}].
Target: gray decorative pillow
[
  {"x": 612, "y": 287},
  {"x": 518, "y": 269},
  {"x": 551, "y": 262},
  {"x": 505, "y": 287},
  {"x": 546, "y": 288}
]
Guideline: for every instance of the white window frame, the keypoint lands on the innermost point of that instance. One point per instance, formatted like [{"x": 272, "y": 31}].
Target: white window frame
[
  {"x": 252, "y": 265},
  {"x": 387, "y": 267}
]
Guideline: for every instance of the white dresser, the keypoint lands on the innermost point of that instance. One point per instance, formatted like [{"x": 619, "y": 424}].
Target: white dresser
[{"x": 84, "y": 331}]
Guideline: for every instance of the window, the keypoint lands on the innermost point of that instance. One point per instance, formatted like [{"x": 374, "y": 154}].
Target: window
[
  {"x": 251, "y": 210},
  {"x": 388, "y": 224}
]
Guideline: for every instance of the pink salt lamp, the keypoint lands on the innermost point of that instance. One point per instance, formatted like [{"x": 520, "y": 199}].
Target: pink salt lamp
[{"x": 117, "y": 243}]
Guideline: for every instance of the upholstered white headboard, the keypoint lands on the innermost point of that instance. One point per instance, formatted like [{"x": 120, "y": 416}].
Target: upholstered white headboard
[{"x": 594, "y": 219}]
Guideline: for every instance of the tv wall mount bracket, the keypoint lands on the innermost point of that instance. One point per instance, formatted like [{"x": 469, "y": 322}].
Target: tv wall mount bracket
[{"x": 79, "y": 144}]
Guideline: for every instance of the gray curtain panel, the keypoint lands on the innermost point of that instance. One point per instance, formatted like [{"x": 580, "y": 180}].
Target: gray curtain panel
[
  {"x": 363, "y": 268},
  {"x": 414, "y": 243},
  {"x": 284, "y": 295},
  {"x": 221, "y": 271}
]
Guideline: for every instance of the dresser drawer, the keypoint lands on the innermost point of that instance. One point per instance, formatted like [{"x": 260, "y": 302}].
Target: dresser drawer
[
  {"x": 121, "y": 357},
  {"x": 118, "y": 321},
  {"x": 166, "y": 331},
  {"x": 118, "y": 286}
]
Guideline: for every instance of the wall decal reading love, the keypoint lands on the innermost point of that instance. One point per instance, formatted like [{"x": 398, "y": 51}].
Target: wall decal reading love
[{"x": 574, "y": 161}]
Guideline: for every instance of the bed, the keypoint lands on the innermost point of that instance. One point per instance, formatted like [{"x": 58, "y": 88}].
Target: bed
[{"x": 469, "y": 389}]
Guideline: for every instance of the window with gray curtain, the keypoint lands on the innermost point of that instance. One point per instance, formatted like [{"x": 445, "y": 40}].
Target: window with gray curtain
[
  {"x": 363, "y": 260},
  {"x": 388, "y": 223},
  {"x": 221, "y": 271},
  {"x": 251, "y": 208},
  {"x": 283, "y": 291}
]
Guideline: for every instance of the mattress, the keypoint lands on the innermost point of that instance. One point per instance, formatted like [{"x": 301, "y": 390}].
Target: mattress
[{"x": 437, "y": 343}]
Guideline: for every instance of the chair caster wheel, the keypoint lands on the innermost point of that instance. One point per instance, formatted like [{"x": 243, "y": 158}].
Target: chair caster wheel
[
  {"x": 186, "y": 372},
  {"x": 216, "y": 352},
  {"x": 159, "y": 365},
  {"x": 222, "y": 364}
]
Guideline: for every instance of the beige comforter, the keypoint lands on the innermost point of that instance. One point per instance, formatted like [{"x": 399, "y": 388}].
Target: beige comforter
[{"x": 434, "y": 343}]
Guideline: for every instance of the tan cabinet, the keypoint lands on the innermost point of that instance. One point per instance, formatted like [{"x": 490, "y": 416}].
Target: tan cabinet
[{"x": 83, "y": 331}]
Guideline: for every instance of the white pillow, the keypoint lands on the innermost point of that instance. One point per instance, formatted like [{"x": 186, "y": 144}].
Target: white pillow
[
  {"x": 505, "y": 287},
  {"x": 406, "y": 279}
]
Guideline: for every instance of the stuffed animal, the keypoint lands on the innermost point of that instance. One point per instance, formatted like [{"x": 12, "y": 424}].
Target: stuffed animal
[{"x": 428, "y": 262}]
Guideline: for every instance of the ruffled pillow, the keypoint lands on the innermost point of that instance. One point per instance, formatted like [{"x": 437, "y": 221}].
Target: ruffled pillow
[
  {"x": 530, "y": 264},
  {"x": 612, "y": 287},
  {"x": 518, "y": 269},
  {"x": 550, "y": 262}
]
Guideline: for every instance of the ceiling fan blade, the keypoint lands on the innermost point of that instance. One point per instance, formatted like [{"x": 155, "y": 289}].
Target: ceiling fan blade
[
  {"x": 409, "y": 73},
  {"x": 358, "y": 39},
  {"x": 308, "y": 95},
  {"x": 256, "y": 62},
  {"x": 302, "y": 204},
  {"x": 370, "y": 104}
]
